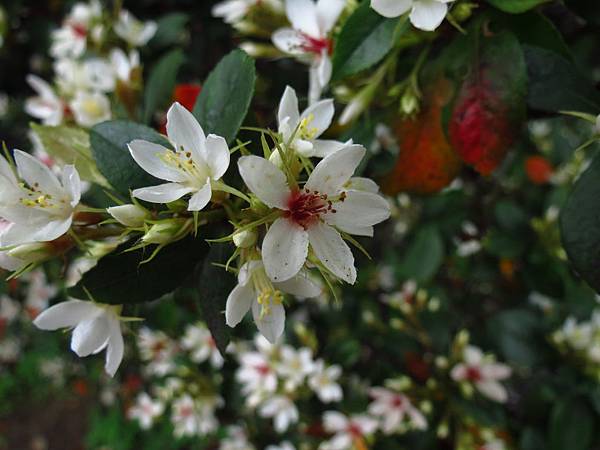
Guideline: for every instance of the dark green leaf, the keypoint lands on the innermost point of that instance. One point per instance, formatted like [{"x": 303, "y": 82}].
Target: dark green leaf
[
  {"x": 531, "y": 439},
  {"x": 516, "y": 6},
  {"x": 119, "y": 278},
  {"x": 580, "y": 225},
  {"x": 161, "y": 83},
  {"x": 226, "y": 95},
  {"x": 365, "y": 39},
  {"x": 109, "y": 147},
  {"x": 555, "y": 84},
  {"x": 571, "y": 425},
  {"x": 214, "y": 285},
  {"x": 424, "y": 256},
  {"x": 517, "y": 334},
  {"x": 171, "y": 29}
]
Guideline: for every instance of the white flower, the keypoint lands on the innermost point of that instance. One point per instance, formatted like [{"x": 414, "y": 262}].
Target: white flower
[
  {"x": 424, "y": 14},
  {"x": 133, "y": 31},
  {"x": 232, "y": 11},
  {"x": 145, "y": 410},
  {"x": 294, "y": 365},
  {"x": 10, "y": 348},
  {"x": 194, "y": 417},
  {"x": 202, "y": 347},
  {"x": 92, "y": 75},
  {"x": 283, "y": 411},
  {"x": 123, "y": 65},
  {"x": 257, "y": 376},
  {"x": 309, "y": 215},
  {"x": 70, "y": 40},
  {"x": 302, "y": 130},
  {"x": 323, "y": 381},
  {"x": 46, "y": 106},
  {"x": 309, "y": 39},
  {"x": 90, "y": 108},
  {"x": 195, "y": 163},
  {"x": 96, "y": 327},
  {"x": 395, "y": 411},
  {"x": 347, "y": 430},
  {"x": 9, "y": 309},
  {"x": 236, "y": 439},
  {"x": 285, "y": 445},
  {"x": 129, "y": 215},
  {"x": 38, "y": 205},
  {"x": 39, "y": 292},
  {"x": 255, "y": 291},
  {"x": 484, "y": 374},
  {"x": 158, "y": 349}
]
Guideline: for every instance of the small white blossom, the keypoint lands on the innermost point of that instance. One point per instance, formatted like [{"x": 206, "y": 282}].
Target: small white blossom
[
  {"x": 133, "y": 31},
  {"x": 70, "y": 41},
  {"x": 201, "y": 345},
  {"x": 145, "y": 410},
  {"x": 46, "y": 106},
  {"x": 395, "y": 411},
  {"x": 323, "y": 381},
  {"x": 282, "y": 410},
  {"x": 347, "y": 431},
  {"x": 90, "y": 108},
  {"x": 236, "y": 439},
  {"x": 424, "y": 14},
  {"x": 158, "y": 349},
  {"x": 294, "y": 366},
  {"x": 194, "y": 417}
]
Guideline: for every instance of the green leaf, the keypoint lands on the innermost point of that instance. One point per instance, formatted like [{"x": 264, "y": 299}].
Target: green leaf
[
  {"x": 555, "y": 84},
  {"x": 516, "y": 6},
  {"x": 171, "y": 29},
  {"x": 119, "y": 278},
  {"x": 424, "y": 256},
  {"x": 580, "y": 225},
  {"x": 161, "y": 82},
  {"x": 70, "y": 145},
  {"x": 364, "y": 40},
  {"x": 518, "y": 336},
  {"x": 226, "y": 95},
  {"x": 109, "y": 147},
  {"x": 214, "y": 285},
  {"x": 571, "y": 425}
]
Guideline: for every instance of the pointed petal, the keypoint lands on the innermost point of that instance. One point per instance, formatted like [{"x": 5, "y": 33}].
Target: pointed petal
[
  {"x": 391, "y": 8},
  {"x": 289, "y": 41},
  {"x": 324, "y": 148},
  {"x": 36, "y": 173},
  {"x": 265, "y": 180},
  {"x": 319, "y": 116},
  {"x": 51, "y": 230},
  {"x": 270, "y": 325},
  {"x": 66, "y": 315},
  {"x": 151, "y": 157},
  {"x": 288, "y": 108},
  {"x": 72, "y": 184},
  {"x": 473, "y": 355},
  {"x": 324, "y": 69},
  {"x": 493, "y": 390},
  {"x": 201, "y": 198},
  {"x": 328, "y": 12},
  {"x": 356, "y": 230},
  {"x": 90, "y": 336},
  {"x": 359, "y": 209},
  {"x": 163, "y": 193},
  {"x": 300, "y": 286},
  {"x": 238, "y": 304},
  {"x": 334, "y": 171},
  {"x": 362, "y": 184},
  {"x": 332, "y": 251},
  {"x": 428, "y": 14},
  {"x": 217, "y": 156},
  {"x": 315, "y": 87},
  {"x": 115, "y": 349},
  {"x": 185, "y": 132},
  {"x": 495, "y": 371},
  {"x": 284, "y": 250},
  {"x": 303, "y": 16},
  {"x": 459, "y": 372},
  {"x": 6, "y": 171}
]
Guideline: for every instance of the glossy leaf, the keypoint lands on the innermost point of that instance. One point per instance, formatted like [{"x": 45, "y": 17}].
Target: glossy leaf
[
  {"x": 516, "y": 6},
  {"x": 571, "y": 425},
  {"x": 161, "y": 82},
  {"x": 424, "y": 256}
]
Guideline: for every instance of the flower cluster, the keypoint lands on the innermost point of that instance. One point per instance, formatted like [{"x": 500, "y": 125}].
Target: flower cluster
[{"x": 581, "y": 339}]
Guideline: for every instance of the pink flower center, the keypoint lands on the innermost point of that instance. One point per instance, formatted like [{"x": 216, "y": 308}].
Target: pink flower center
[
  {"x": 474, "y": 374},
  {"x": 263, "y": 369},
  {"x": 79, "y": 30},
  {"x": 305, "y": 207},
  {"x": 354, "y": 430},
  {"x": 316, "y": 45},
  {"x": 186, "y": 411},
  {"x": 398, "y": 401}
]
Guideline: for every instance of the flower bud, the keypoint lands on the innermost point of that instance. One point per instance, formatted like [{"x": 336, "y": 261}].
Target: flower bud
[
  {"x": 129, "y": 215},
  {"x": 409, "y": 103},
  {"x": 166, "y": 231},
  {"x": 463, "y": 11},
  {"x": 245, "y": 238},
  {"x": 32, "y": 253},
  {"x": 358, "y": 104},
  {"x": 259, "y": 50}
]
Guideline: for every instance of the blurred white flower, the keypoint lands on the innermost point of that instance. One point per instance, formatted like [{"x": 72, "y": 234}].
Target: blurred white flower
[
  {"x": 194, "y": 417},
  {"x": 395, "y": 411},
  {"x": 123, "y": 65},
  {"x": 323, "y": 381},
  {"x": 282, "y": 410},
  {"x": 129, "y": 215},
  {"x": 347, "y": 431},
  {"x": 236, "y": 439},
  {"x": 201, "y": 345},
  {"x": 145, "y": 410},
  {"x": 232, "y": 11},
  {"x": 10, "y": 349},
  {"x": 70, "y": 40},
  {"x": 283, "y": 446},
  {"x": 133, "y": 31},
  {"x": 90, "y": 108},
  {"x": 39, "y": 293},
  {"x": 9, "y": 310},
  {"x": 294, "y": 366},
  {"x": 424, "y": 14},
  {"x": 158, "y": 350},
  {"x": 46, "y": 106}
]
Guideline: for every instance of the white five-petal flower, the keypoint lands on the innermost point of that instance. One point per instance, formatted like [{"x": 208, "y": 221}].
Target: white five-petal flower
[
  {"x": 424, "y": 14},
  {"x": 312, "y": 216},
  {"x": 38, "y": 205},
  {"x": 46, "y": 106},
  {"x": 95, "y": 327},
  {"x": 133, "y": 31},
  {"x": 255, "y": 291},
  {"x": 347, "y": 431},
  {"x": 196, "y": 161},
  {"x": 145, "y": 410},
  {"x": 395, "y": 411},
  {"x": 309, "y": 39},
  {"x": 323, "y": 381},
  {"x": 302, "y": 131}
]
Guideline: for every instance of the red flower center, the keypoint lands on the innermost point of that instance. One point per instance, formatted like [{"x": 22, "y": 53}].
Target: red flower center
[
  {"x": 305, "y": 207},
  {"x": 263, "y": 369},
  {"x": 398, "y": 402},
  {"x": 355, "y": 431},
  {"x": 474, "y": 374},
  {"x": 79, "y": 30},
  {"x": 316, "y": 45}
]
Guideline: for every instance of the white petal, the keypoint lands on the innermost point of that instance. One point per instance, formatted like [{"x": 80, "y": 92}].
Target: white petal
[
  {"x": 72, "y": 184},
  {"x": 328, "y": 12},
  {"x": 115, "y": 349},
  {"x": 66, "y": 315},
  {"x": 472, "y": 355},
  {"x": 493, "y": 390},
  {"x": 334, "y": 171},
  {"x": 36, "y": 173},
  {"x": 217, "y": 157},
  {"x": 6, "y": 171},
  {"x": 51, "y": 230},
  {"x": 91, "y": 336},
  {"x": 428, "y": 14},
  {"x": 43, "y": 89},
  {"x": 271, "y": 325},
  {"x": 185, "y": 132},
  {"x": 367, "y": 231},
  {"x": 300, "y": 286},
  {"x": 334, "y": 421},
  {"x": 289, "y": 41},
  {"x": 288, "y": 108},
  {"x": 238, "y": 304},
  {"x": 391, "y": 8},
  {"x": 459, "y": 372},
  {"x": 359, "y": 209},
  {"x": 284, "y": 250},
  {"x": 315, "y": 87},
  {"x": 163, "y": 193},
  {"x": 128, "y": 215},
  {"x": 324, "y": 69},
  {"x": 151, "y": 157},
  {"x": 495, "y": 371},
  {"x": 332, "y": 251},
  {"x": 265, "y": 180},
  {"x": 319, "y": 116},
  {"x": 323, "y": 148},
  {"x": 303, "y": 16},
  {"x": 201, "y": 198},
  {"x": 362, "y": 184}
]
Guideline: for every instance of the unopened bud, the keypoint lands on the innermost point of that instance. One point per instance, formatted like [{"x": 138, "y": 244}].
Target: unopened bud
[
  {"x": 129, "y": 215},
  {"x": 32, "y": 253},
  {"x": 358, "y": 104},
  {"x": 463, "y": 11},
  {"x": 462, "y": 338},
  {"x": 409, "y": 103},
  {"x": 259, "y": 50},
  {"x": 167, "y": 231},
  {"x": 245, "y": 238}
]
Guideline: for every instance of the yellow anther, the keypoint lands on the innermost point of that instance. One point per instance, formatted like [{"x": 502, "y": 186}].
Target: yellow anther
[{"x": 305, "y": 131}]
